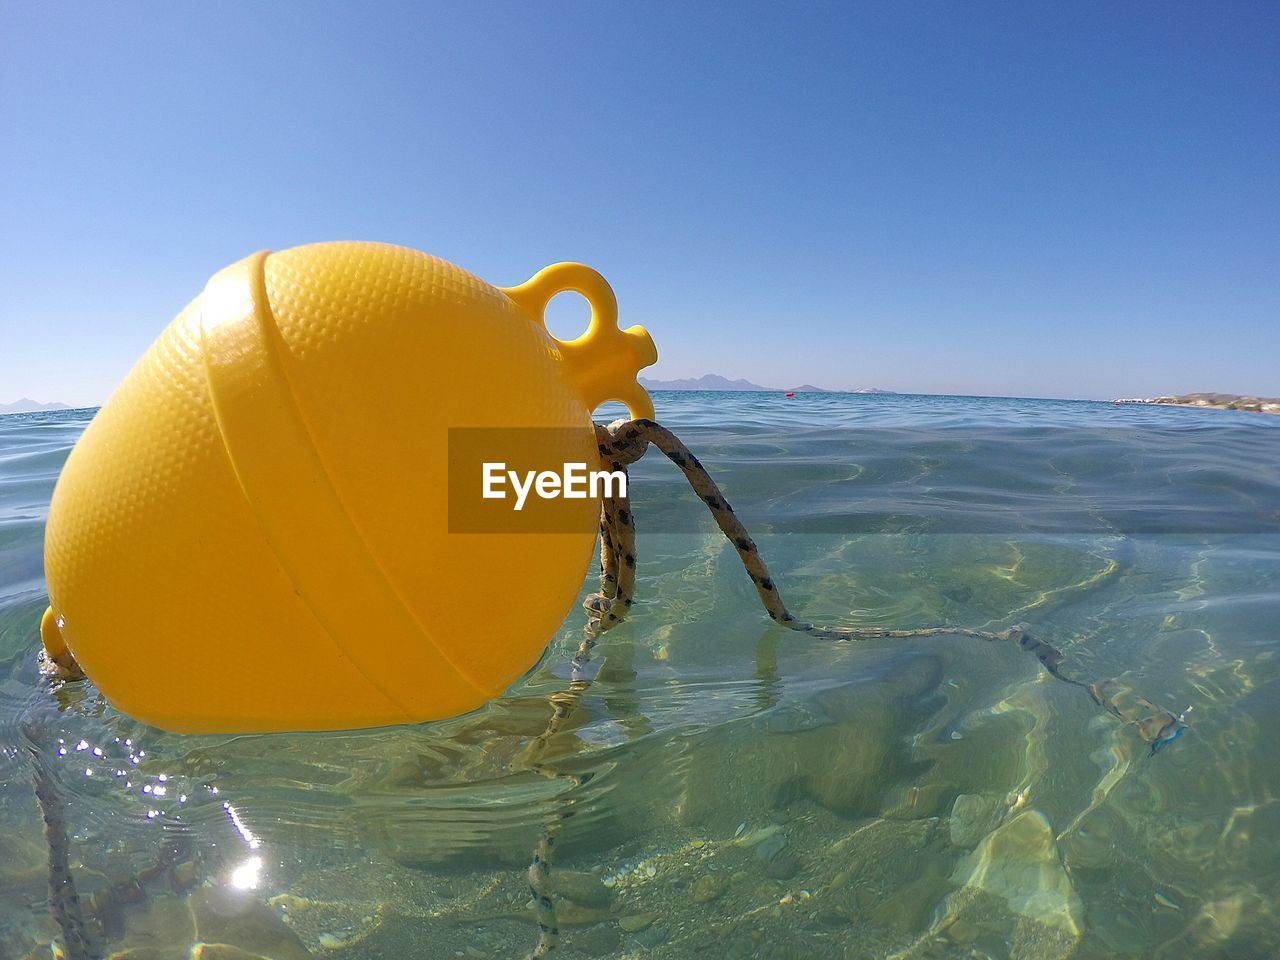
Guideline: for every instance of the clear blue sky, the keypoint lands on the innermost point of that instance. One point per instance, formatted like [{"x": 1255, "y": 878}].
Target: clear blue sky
[{"x": 1071, "y": 199}]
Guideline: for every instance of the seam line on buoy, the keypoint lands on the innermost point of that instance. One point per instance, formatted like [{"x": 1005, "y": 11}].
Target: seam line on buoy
[
  {"x": 278, "y": 425},
  {"x": 279, "y": 347}
]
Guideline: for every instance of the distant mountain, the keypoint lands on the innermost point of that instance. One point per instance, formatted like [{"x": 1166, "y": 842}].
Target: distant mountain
[
  {"x": 810, "y": 388},
  {"x": 706, "y": 382},
  {"x": 711, "y": 381},
  {"x": 26, "y": 405}
]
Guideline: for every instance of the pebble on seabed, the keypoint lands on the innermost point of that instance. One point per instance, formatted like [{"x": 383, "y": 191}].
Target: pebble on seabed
[
  {"x": 708, "y": 887},
  {"x": 636, "y": 922}
]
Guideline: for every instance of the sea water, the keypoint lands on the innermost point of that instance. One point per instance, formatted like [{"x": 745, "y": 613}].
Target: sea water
[{"x": 753, "y": 792}]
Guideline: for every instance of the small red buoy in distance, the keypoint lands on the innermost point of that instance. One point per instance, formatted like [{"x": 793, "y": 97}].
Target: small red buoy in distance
[{"x": 789, "y": 393}]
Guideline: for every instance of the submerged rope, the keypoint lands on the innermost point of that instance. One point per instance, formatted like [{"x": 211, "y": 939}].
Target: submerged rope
[
  {"x": 87, "y": 923},
  {"x": 623, "y": 443},
  {"x": 63, "y": 898}
]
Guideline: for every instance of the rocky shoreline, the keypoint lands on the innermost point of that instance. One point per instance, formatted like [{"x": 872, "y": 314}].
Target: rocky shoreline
[{"x": 1215, "y": 401}]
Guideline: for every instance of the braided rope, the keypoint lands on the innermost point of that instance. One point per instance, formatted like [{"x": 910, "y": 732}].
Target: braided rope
[
  {"x": 86, "y": 923},
  {"x": 623, "y": 443},
  {"x": 63, "y": 898},
  {"x": 604, "y": 610}
]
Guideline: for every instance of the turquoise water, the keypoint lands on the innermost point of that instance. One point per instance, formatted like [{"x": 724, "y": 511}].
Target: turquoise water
[{"x": 755, "y": 793}]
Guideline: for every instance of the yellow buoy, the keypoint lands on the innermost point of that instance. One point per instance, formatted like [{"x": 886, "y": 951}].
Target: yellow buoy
[{"x": 255, "y": 533}]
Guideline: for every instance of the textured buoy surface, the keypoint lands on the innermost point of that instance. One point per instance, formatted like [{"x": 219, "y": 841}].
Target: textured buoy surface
[{"x": 253, "y": 532}]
